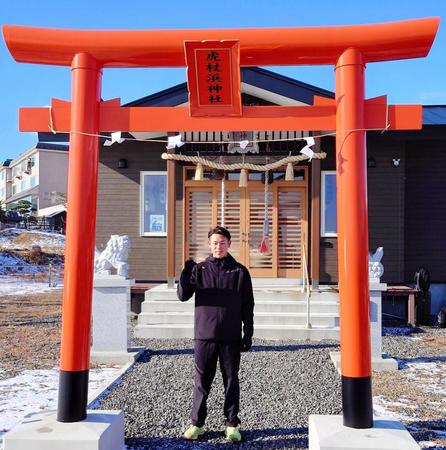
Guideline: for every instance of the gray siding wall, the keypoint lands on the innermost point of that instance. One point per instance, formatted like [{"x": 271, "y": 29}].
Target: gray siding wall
[
  {"x": 118, "y": 210},
  {"x": 426, "y": 204},
  {"x": 385, "y": 185},
  {"x": 386, "y": 194}
]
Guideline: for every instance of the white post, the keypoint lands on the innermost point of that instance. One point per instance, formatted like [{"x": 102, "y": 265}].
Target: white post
[{"x": 306, "y": 284}]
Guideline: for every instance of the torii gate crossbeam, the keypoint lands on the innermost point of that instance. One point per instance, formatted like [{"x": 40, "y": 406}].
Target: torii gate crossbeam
[{"x": 348, "y": 48}]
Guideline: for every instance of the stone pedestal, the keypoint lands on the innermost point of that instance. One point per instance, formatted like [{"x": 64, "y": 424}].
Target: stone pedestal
[
  {"x": 111, "y": 320},
  {"x": 328, "y": 433},
  {"x": 101, "y": 430},
  {"x": 380, "y": 362}
]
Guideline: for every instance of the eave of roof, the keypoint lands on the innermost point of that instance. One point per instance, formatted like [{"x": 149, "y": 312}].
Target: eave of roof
[
  {"x": 434, "y": 115},
  {"x": 31, "y": 191}
]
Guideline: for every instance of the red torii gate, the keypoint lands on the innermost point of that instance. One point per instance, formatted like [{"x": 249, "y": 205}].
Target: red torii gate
[{"x": 348, "y": 48}]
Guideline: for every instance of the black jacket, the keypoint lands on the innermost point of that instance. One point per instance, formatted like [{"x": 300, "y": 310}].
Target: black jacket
[{"x": 223, "y": 298}]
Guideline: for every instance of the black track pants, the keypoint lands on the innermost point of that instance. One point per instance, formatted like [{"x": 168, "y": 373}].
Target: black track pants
[{"x": 206, "y": 354}]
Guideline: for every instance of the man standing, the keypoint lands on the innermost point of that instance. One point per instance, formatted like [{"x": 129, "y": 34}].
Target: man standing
[{"x": 223, "y": 301}]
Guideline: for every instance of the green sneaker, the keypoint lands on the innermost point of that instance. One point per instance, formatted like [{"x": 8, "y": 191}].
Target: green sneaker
[
  {"x": 233, "y": 434},
  {"x": 193, "y": 433}
]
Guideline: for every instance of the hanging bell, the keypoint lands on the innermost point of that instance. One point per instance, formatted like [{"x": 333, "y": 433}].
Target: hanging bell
[
  {"x": 289, "y": 174},
  {"x": 243, "y": 181},
  {"x": 199, "y": 172}
]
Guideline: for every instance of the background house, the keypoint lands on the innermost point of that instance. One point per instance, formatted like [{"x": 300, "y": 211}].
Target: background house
[{"x": 38, "y": 175}]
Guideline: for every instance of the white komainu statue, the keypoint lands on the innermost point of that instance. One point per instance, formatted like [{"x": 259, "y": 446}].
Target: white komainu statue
[
  {"x": 115, "y": 255},
  {"x": 376, "y": 269}
]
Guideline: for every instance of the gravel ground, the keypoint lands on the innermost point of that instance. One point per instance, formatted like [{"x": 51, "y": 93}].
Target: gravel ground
[
  {"x": 282, "y": 382},
  {"x": 278, "y": 392}
]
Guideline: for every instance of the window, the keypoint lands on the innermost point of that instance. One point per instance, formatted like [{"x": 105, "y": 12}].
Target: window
[
  {"x": 2, "y": 175},
  {"x": 14, "y": 189},
  {"x": 2, "y": 192},
  {"x": 153, "y": 203},
  {"x": 328, "y": 204},
  {"x": 32, "y": 181},
  {"x": 22, "y": 185}
]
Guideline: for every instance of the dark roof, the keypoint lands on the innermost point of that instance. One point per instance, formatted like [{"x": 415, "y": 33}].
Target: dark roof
[
  {"x": 7, "y": 162},
  {"x": 48, "y": 146},
  {"x": 280, "y": 84},
  {"x": 255, "y": 76},
  {"x": 173, "y": 96},
  {"x": 434, "y": 115}
]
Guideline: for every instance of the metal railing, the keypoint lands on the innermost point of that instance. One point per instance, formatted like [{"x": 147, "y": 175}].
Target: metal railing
[{"x": 306, "y": 283}]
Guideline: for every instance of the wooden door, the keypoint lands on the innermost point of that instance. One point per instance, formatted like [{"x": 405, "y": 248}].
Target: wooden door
[
  {"x": 291, "y": 231},
  {"x": 203, "y": 212},
  {"x": 233, "y": 220},
  {"x": 244, "y": 217},
  {"x": 198, "y": 220},
  {"x": 260, "y": 265}
]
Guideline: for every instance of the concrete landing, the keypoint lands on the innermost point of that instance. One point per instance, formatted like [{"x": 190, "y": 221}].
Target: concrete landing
[
  {"x": 379, "y": 364},
  {"x": 328, "y": 433},
  {"x": 101, "y": 430},
  {"x": 116, "y": 358}
]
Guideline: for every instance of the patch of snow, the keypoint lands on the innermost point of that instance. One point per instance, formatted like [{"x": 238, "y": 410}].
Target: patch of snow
[
  {"x": 42, "y": 238},
  {"x": 13, "y": 264},
  {"x": 13, "y": 285},
  {"x": 429, "y": 375},
  {"x": 381, "y": 408},
  {"x": 427, "y": 444},
  {"x": 397, "y": 331},
  {"x": 35, "y": 391}
]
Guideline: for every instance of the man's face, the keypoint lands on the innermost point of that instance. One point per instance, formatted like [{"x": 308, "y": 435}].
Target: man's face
[{"x": 219, "y": 245}]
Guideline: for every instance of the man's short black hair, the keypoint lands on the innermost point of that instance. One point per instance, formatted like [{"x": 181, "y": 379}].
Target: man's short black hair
[{"x": 220, "y": 230}]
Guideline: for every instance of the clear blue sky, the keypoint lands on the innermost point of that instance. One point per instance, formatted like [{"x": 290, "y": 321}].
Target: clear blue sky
[{"x": 410, "y": 81}]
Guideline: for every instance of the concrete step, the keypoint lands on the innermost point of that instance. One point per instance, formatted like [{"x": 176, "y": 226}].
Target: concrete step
[
  {"x": 293, "y": 282},
  {"x": 280, "y": 313},
  {"x": 273, "y": 295},
  {"x": 267, "y": 292},
  {"x": 265, "y": 318},
  {"x": 296, "y": 332},
  {"x": 260, "y": 306},
  {"x": 260, "y": 331},
  {"x": 174, "y": 331}
]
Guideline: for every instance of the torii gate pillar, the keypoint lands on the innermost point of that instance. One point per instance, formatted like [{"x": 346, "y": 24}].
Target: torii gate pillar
[
  {"x": 351, "y": 178},
  {"x": 80, "y": 238}
]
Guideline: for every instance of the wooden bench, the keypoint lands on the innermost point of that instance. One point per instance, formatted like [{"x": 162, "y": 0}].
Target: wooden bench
[
  {"x": 400, "y": 291},
  {"x": 140, "y": 288}
]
